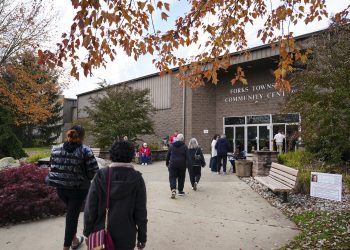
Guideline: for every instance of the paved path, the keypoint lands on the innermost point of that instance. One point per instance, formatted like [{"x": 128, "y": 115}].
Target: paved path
[{"x": 224, "y": 213}]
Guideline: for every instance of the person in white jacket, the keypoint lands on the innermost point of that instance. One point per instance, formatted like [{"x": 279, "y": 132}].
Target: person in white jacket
[{"x": 214, "y": 153}]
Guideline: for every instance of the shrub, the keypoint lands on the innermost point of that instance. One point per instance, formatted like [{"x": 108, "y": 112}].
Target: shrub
[
  {"x": 36, "y": 157},
  {"x": 155, "y": 146},
  {"x": 25, "y": 196},
  {"x": 296, "y": 159}
]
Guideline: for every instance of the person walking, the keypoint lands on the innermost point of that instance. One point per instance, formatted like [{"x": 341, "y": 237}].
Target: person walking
[
  {"x": 222, "y": 146},
  {"x": 177, "y": 160},
  {"x": 127, "y": 216},
  {"x": 197, "y": 162},
  {"x": 279, "y": 138},
  {"x": 72, "y": 167},
  {"x": 145, "y": 154},
  {"x": 214, "y": 153}
]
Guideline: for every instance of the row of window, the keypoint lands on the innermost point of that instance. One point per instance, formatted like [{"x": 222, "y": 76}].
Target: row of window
[{"x": 262, "y": 119}]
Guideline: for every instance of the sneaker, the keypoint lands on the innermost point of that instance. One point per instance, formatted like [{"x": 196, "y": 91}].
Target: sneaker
[
  {"x": 218, "y": 172},
  {"x": 146, "y": 164},
  {"x": 181, "y": 193},
  {"x": 80, "y": 241},
  {"x": 195, "y": 186},
  {"x": 224, "y": 173},
  {"x": 142, "y": 164},
  {"x": 173, "y": 194}
]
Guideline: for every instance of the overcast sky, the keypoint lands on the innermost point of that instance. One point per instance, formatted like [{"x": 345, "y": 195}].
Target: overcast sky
[{"x": 125, "y": 68}]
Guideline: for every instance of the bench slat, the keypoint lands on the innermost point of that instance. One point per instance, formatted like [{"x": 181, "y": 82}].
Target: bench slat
[
  {"x": 273, "y": 184},
  {"x": 283, "y": 168},
  {"x": 96, "y": 151},
  {"x": 289, "y": 176},
  {"x": 282, "y": 178}
]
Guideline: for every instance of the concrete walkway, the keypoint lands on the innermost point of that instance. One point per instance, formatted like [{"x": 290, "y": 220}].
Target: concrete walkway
[{"x": 224, "y": 213}]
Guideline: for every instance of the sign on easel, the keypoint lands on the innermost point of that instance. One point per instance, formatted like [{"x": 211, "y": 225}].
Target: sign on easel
[{"x": 326, "y": 186}]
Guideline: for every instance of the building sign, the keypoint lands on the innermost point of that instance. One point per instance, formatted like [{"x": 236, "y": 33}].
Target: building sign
[
  {"x": 326, "y": 186},
  {"x": 255, "y": 93}
]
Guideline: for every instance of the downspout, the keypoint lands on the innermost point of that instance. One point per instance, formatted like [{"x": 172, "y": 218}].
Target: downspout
[{"x": 184, "y": 111}]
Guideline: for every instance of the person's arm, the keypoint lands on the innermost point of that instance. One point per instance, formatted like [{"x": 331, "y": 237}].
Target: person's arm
[
  {"x": 140, "y": 214},
  {"x": 168, "y": 156},
  {"x": 202, "y": 158},
  {"x": 91, "y": 207},
  {"x": 90, "y": 163}
]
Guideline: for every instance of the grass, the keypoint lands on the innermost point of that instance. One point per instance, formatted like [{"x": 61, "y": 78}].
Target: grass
[
  {"x": 321, "y": 230},
  {"x": 36, "y": 151},
  {"x": 34, "y": 154}
]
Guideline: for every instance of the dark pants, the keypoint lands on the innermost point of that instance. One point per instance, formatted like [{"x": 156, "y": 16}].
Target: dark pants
[
  {"x": 223, "y": 159},
  {"x": 213, "y": 164},
  {"x": 73, "y": 199},
  {"x": 195, "y": 174},
  {"x": 177, "y": 174}
]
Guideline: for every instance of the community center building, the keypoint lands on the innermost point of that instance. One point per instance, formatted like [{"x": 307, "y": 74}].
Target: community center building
[{"x": 250, "y": 115}]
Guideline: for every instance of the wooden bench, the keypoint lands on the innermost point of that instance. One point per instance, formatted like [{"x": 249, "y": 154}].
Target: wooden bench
[
  {"x": 96, "y": 151},
  {"x": 281, "y": 179}
]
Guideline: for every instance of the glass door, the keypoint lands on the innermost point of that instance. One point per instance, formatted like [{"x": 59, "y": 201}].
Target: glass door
[
  {"x": 252, "y": 134},
  {"x": 264, "y": 138},
  {"x": 229, "y": 137},
  {"x": 292, "y": 135},
  {"x": 239, "y": 139}
]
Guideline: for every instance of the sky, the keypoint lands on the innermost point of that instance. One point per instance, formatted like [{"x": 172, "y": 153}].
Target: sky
[{"x": 125, "y": 68}]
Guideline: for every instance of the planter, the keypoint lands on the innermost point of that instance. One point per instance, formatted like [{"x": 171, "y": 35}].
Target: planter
[{"x": 243, "y": 168}]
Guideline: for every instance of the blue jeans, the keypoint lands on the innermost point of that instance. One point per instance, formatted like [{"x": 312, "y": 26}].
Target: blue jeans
[{"x": 144, "y": 159}]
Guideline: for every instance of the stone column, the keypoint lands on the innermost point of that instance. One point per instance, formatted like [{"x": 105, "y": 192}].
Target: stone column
[{"x": 262, "y": 162}]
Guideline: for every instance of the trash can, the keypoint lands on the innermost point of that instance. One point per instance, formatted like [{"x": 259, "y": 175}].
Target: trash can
[{"x": 243, "y": 168}]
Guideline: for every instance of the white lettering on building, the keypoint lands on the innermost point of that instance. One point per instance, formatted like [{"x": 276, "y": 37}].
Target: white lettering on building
[{"x": 251, "y": 93}]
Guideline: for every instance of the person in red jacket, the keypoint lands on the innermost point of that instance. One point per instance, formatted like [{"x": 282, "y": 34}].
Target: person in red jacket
[
  {"x": 145, "y": 154},
  {"x": 172, "y": 138}
]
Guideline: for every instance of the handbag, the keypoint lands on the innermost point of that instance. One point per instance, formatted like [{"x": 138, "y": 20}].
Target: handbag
[
  {"x": 102, "y": 240},
  {"x": 197, "y": 157}
]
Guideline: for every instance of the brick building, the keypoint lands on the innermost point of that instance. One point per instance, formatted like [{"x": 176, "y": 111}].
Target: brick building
[{"x": 250, "y": 115}]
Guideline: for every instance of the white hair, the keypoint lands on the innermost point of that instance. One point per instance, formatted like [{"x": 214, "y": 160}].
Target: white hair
[
  {"x": 180, "y": 137},
  {"x": 193, "y": 143},
  {"x": 144, "y": 144}
]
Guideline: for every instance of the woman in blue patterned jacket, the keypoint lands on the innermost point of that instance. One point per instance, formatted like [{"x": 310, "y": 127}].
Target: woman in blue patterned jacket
[{"x": 73, "y": 165}]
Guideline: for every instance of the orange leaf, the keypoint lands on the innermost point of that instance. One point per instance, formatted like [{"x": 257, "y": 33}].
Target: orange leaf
[{"x": 164, "y": 16}]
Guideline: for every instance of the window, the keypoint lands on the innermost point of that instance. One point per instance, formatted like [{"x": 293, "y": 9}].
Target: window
[
  {"x": 234, "y": 120},
  {"x": 285, "y": 118},
  {"x": 258, "y": 119}
]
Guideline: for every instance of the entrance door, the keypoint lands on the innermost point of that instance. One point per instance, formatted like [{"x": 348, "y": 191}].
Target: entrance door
[
  {"x": 239, "y": 139},
  {"x": 264, "y": 138},
  {"x": 252, "y": 132},
  {"x": 229, "y": 137}
]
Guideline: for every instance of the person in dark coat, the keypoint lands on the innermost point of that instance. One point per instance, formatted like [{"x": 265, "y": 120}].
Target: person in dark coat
[
  {"x": 197, "y": 162},
  {"x": 127, "y": 210},
  {"x": 72, "y": 167},
  {"x": 222, "y": 146},
  {"x": 177, "y": 160}
]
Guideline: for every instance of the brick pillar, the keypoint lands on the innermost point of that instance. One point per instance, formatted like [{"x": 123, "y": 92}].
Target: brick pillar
[{"x": 262, "y": 162}]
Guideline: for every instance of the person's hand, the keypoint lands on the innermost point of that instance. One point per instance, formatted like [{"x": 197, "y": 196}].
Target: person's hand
[{"x": 141, "y": 245}]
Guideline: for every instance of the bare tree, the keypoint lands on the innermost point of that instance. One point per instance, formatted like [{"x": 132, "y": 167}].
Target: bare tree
[{"x": 24, "y": 25}]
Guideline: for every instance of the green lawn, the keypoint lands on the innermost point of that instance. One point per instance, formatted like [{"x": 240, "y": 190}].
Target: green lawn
[
  {"x": 321, "y": 230},
  {"x": 35, "y": 151}
]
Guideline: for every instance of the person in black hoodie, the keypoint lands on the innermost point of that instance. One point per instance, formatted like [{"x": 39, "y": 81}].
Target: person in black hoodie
[
  {"x": 72, "y": 167},
  {"x": 222, "y": 146},
  {"x": 127, "y": 209},
  {"x": 197, "y": 162},
  {"x": 177, "y": 160}
]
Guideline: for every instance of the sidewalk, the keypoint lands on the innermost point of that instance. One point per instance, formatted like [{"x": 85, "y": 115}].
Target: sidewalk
[{"x": 225, "y": 213}]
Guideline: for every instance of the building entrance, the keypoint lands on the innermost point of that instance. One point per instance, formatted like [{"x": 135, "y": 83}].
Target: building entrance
[{"x": 251, "y": 133}]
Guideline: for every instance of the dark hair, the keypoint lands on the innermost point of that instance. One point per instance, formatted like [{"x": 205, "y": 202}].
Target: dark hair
[
  {"x": 121, "y": 151},
  {"x": 76, "y": 134},
  {"x": 215, "y": 136}
]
